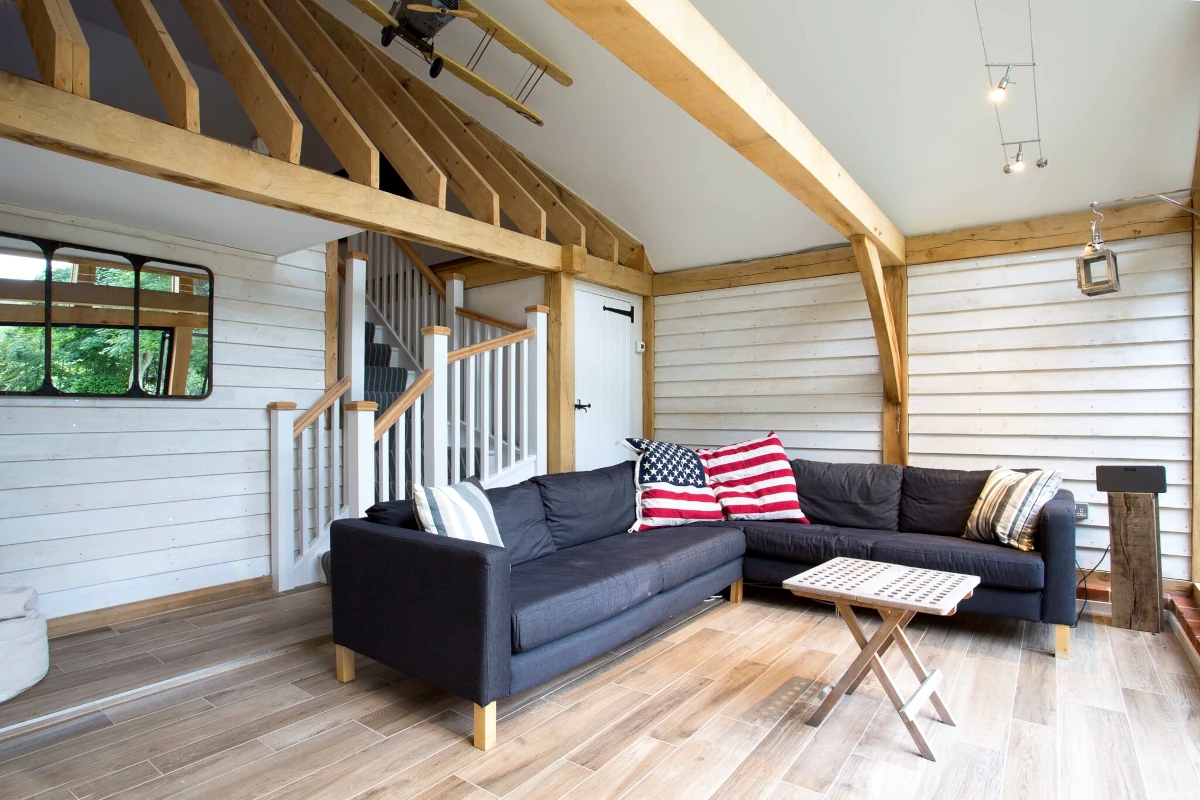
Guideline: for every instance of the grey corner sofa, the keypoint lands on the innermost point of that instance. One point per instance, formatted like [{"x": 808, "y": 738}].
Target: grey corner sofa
[{"x": 485, "y": 622}]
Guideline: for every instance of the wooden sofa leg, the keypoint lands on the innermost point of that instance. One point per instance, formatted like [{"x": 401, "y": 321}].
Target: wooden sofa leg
[
  {"x": 343, "y": 658},
  {"x": 735, "y": 591},
  {"x": 485, "y": 726},
  {"x": 1062, "y": 641}
]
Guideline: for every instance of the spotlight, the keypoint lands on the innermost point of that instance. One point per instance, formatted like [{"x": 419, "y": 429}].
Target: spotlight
[
  {"x": 1042, "y": 162},
  {"x": 1018, "y": 163},
  {"x": 1001, "y": 90}
]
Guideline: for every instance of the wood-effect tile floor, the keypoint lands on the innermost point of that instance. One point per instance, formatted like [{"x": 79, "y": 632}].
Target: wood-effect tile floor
[
  {"x": 713, "y": 707},
  {"x": 87, "y": 667}
]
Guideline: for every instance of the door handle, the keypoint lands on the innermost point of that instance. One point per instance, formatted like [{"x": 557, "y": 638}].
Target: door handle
[{"x": 582, "y": 406}]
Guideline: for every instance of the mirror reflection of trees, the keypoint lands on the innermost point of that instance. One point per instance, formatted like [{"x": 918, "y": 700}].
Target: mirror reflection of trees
[{"x": 98, "y": 344}]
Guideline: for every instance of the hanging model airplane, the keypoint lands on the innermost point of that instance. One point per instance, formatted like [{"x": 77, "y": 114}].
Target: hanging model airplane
[{"x": 416, "y": 24}]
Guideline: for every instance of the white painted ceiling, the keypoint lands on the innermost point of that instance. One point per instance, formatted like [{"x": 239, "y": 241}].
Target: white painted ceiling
[{"x": 897, "y": 91}]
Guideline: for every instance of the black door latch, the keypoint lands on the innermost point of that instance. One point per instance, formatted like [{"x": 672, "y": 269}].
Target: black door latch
[{"x": 582, "y": 406}]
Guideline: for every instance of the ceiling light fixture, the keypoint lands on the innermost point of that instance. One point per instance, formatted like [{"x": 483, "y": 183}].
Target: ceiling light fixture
[
  {"x": 1001, "y": 90},
  {"x": 998, "y": 92},
  {"x": 1018, "y": 162},
  {"x": 1096, "y": 268}
]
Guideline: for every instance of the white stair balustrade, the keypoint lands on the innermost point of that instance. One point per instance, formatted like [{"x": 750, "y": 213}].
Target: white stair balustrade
[
  {"x": 310, "y": 484},
  {"x": 401, "y": 291}
]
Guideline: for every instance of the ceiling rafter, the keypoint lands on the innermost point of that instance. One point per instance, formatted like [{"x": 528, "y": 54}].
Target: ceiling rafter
[
  {"x": 171, "y": 77},
  {"x": 337, "y": 127},
  {"x": 423, "y": 177},
  {"x": 465, "y": 181},
  {"x": 264, "y": 104}
]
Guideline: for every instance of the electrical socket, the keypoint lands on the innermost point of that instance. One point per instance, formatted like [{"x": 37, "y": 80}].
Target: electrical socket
[{"x": 1081, "y": 511}]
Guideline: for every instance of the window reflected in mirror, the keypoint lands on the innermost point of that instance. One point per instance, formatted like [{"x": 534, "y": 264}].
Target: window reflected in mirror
[
  {"x": 22, "y": 316},
  {"x": 119, "y": 325}
]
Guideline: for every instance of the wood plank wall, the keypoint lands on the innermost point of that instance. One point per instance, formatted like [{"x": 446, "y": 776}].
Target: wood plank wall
[
  {"x": 797, "y": 357},
  {"x": 104, "y": 502},
  {"x": 1011, "y": 365}
]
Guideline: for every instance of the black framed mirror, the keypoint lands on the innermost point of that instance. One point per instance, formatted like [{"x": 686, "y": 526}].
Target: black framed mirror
[{"x": 118, "y": 324}]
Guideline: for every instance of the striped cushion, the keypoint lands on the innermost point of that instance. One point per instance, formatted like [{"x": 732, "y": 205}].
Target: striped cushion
[
  {"x": 753, "y": 480},
  {"x": 671, "y": 488},
  {"x": 461, "y": 511},
  {"x": 1008, "y": 507}
]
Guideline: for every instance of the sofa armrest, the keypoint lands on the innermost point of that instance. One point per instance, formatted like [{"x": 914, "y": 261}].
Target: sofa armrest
[
  {"x": 1056, "y": 534},
  {"x": 433, "y": 607}
]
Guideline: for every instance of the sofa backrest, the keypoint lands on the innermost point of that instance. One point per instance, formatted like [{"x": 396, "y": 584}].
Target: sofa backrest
[
  {"x": 581, "y": 507},
  {"x": 939, "y": 501},
  {"x": 519, "y": 516},
  {"x": 849, "y": 495}
]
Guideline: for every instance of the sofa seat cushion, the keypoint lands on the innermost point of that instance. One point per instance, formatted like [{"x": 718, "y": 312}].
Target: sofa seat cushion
[
  {"x": 577, "y": 587},
  {"x": 574, "y": 589},
  {"x": 809, "y": 544},
  {"x": 994, "y": 564}
]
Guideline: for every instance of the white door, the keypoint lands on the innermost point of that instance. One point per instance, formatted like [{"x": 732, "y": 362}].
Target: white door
[{"x": 608, "y": 375}]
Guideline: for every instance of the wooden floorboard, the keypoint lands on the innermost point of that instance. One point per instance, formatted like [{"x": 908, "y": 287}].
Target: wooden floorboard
[
  {"x": 92, "y": 666},
  {"x": 713, "y": 706}
]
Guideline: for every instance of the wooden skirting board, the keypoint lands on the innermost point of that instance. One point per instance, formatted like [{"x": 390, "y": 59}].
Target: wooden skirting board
[{"x": 87, "y": 620}]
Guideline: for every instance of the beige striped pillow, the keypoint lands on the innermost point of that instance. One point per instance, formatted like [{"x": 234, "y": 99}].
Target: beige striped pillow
[{"x": 1008, "y": 507}]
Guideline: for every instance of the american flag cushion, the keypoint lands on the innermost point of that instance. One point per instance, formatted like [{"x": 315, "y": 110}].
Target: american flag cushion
[
  {"x": 753, "y": 480},
  {"x": 671, "y": 489}
]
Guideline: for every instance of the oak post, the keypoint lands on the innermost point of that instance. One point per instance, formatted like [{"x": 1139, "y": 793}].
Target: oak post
[{"x": 560, "y": 297}]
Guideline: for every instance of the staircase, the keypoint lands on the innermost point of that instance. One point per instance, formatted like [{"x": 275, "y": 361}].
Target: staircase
[{"x": 464, "y": 399}]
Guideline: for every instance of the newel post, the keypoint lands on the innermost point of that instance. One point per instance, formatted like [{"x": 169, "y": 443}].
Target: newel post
[
  {"x": 283, "y": 479},
  {"x": 436, "y": 422},
  {"x": 360, "y": 456},
  {"x": 454, "y": 301},
  {"x": 354, "y": 323},
  {"x": 536, "y": 317}
]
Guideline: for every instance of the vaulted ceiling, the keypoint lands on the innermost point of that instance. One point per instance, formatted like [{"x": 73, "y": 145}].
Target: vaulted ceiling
[{"x": 896, "y": 91}]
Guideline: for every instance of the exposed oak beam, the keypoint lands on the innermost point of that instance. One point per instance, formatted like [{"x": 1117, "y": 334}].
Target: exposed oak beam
[
  {"x": 81, "y": 70},
  {"x": 515, "y": 201},
  {"x": 42, "y": 117},
  {"x": 1045, "y": 233},
  {"x": 171, "y": 77},
  {"x": 790, "y": 267},
  {"x": 600, "y": 240},
  {"x": 672, "y": 46},
  {"x": 264, "y": 104},
  {"x": 468, "y": 184},
  {"x": 50, "y": 39},
  {"x": 895, "y": 414},
  {"x": 427, "y": 182},
  {"x": 478, "y": 272},
  {"x": 565, "y": 226},
  {"x": 871, "y": 270},
  {"x": 349, "y": 144}
]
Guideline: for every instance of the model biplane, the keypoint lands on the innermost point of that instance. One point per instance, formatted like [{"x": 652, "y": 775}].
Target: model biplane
[{"x": 416, "y": 24}]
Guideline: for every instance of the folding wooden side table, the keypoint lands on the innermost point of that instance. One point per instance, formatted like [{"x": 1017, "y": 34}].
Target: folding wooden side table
[{"x": 898, "y": 593}]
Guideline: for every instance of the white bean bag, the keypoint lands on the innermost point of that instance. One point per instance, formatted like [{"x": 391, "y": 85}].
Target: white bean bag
[{"x": 23, "y": 642}]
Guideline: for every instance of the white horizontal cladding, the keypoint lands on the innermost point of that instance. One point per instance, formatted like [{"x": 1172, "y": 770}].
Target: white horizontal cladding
[
  {"x": 1011, "y": 365},
  {"x": 110, "y": 501},
  {"x": 796, "y": 357}
]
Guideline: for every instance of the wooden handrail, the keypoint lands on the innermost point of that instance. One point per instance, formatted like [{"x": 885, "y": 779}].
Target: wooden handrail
[
  {"x": 438, "y": 284},
  {"x": 495, "y": 322},
  {"x": 402, "y": 403},
  {"x": 491, "y": 344},
  {"x": 321, "y": 406}
]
